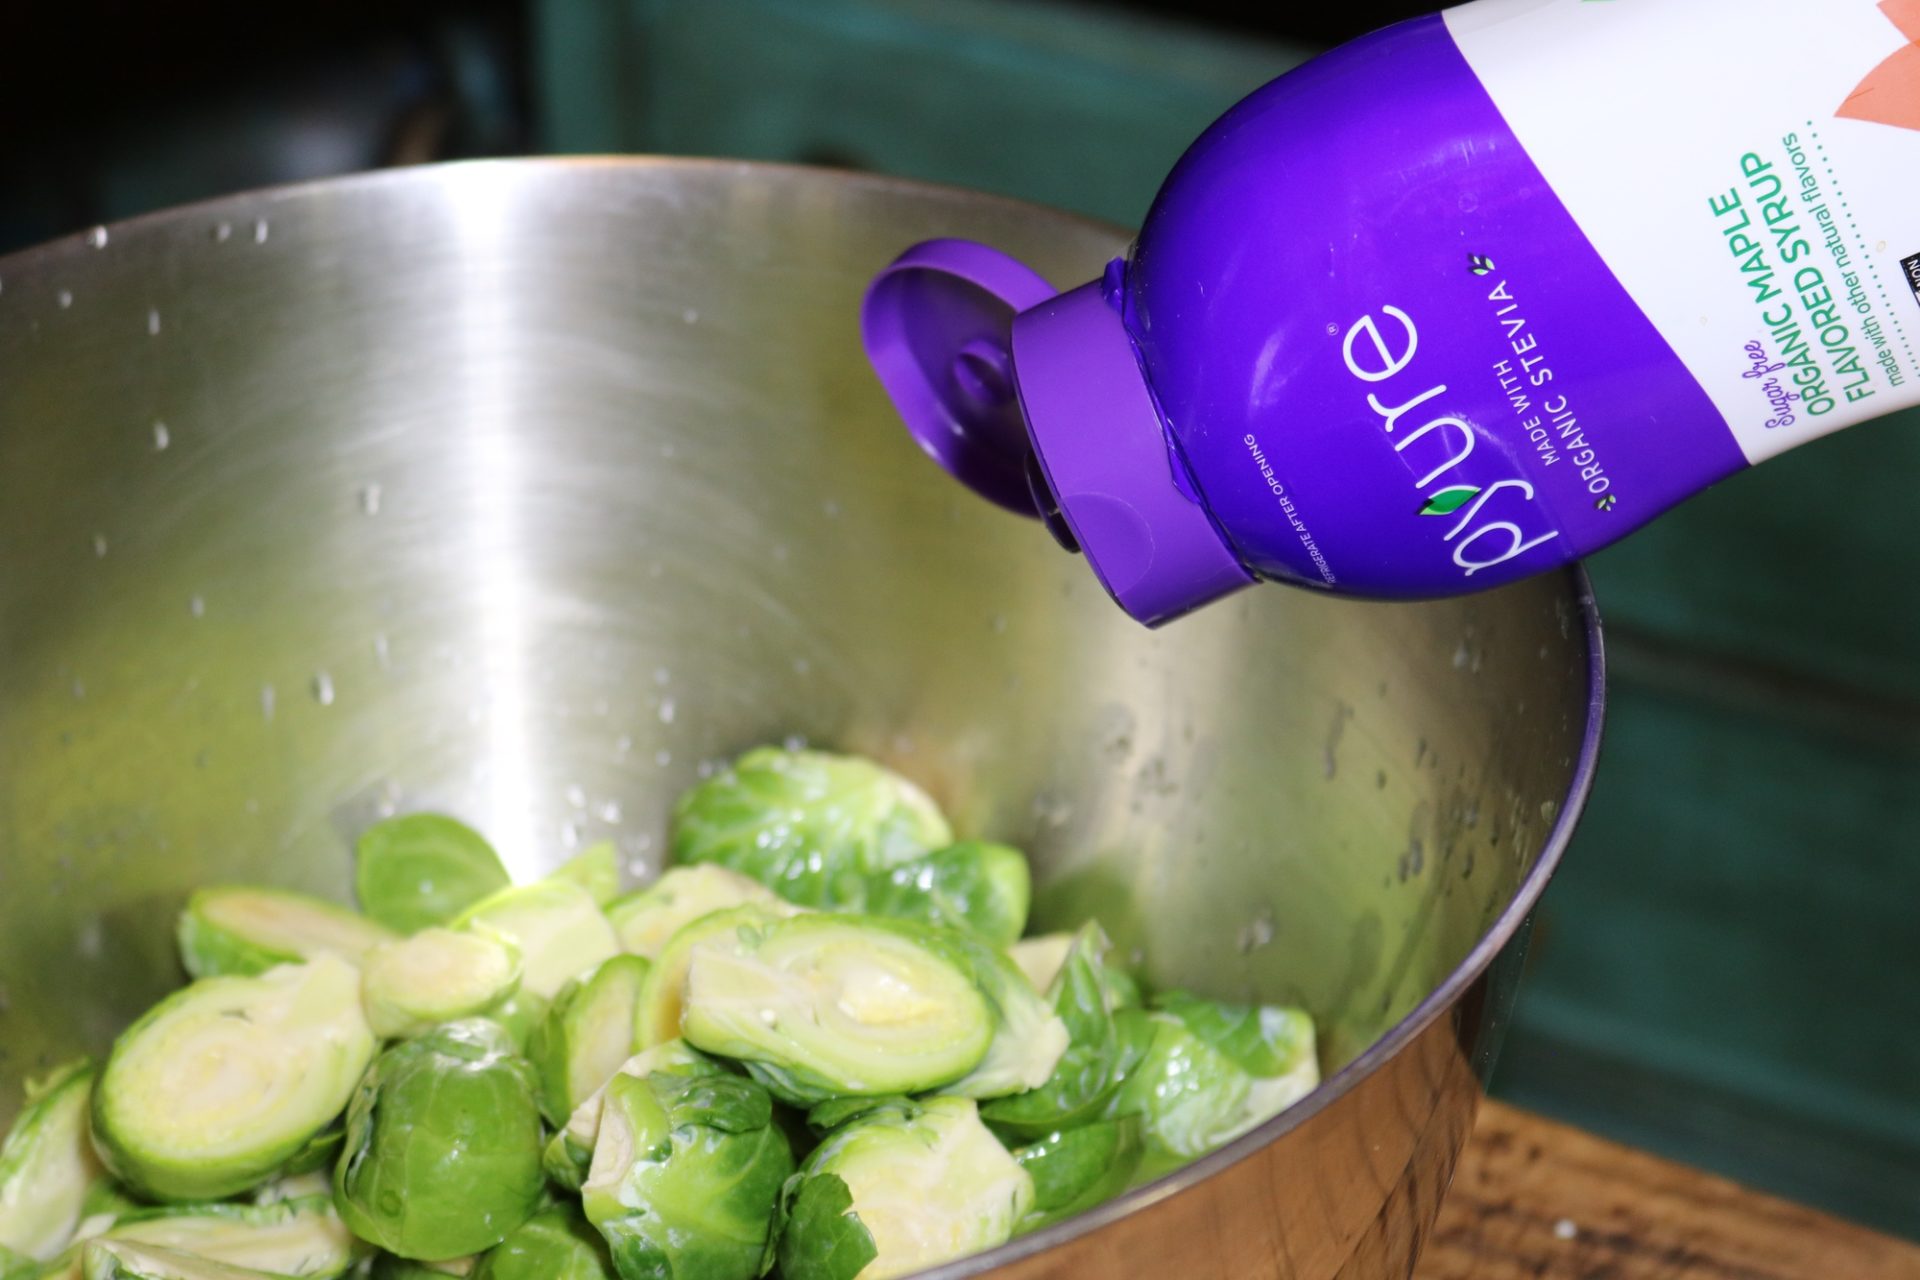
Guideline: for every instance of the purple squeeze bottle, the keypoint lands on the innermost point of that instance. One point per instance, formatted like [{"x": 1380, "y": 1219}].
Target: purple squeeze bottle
[{"x": 1459, "y": 302}]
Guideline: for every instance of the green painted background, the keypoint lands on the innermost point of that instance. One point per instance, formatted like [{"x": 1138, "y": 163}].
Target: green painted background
[{"x": 1725, "y": 969}]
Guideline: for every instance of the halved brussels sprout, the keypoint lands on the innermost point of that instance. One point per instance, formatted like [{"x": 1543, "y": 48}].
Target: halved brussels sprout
[
  {"x": 663, "y": 999},
  {"x": 47, "y": 1165},
  {"x": 586, "y": 1035},
  {"x": 900, "y": 1189},
  {"x": 302, "y": 1237},
  {"x": 811, "y": 826},
  {"x": 570, "y": 1152},
  {"x": 822, "y": 1006},
  {"x": 437, "y": 975},
  {"x": 685, "y": 1176},
  {"x": 1075, "y": 1169},
  {"x": 1041, "y": 957},
  {"x": 423, "y": 869},
  {"x": 216, "y": 1088},
  {"x": 1098, "y": 1056},
  {"x": 596, "y": 869},
  {"x": 1029, "y": 1039},
  {"x": 443, "y": 1144},
  {"x": 646, "y": 919},
  {"x": 130, "y": 1260},
  {"x": 556, "y": 924},
  {"x": 241, "y": 929},
  {"x": 985, "y": 888},
  {"x": 554, "y": 1244}
]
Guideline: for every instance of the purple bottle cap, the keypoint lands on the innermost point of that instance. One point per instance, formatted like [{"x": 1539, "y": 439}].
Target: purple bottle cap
[{"x": 1037, "y": 401}]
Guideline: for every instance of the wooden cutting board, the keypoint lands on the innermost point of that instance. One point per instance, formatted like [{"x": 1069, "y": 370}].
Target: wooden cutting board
[{"x": 1535, "y": 1200}]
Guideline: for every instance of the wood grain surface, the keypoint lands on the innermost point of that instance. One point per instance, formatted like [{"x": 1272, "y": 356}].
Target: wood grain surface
[{"x": 1535, "y": 1200}]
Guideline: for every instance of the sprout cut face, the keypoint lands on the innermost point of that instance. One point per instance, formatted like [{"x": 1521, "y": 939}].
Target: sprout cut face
[
  {"x": 239, "y": 929},
  {"x": 824, "y": 1006},
  {"x": 557, "y": 926},
  {"x": 437, "y": 975},
  {"x": 302, "y": 1236},
  {"x": 47, "y": 1165},
  {"x": 646, "y": 920},
  {"x": 586, "y": 1035},
  {"x": 224, "y": 1082},
  {"x": 663, "y": 998}
]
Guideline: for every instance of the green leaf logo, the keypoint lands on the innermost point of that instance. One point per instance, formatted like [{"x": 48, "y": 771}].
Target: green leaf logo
[
  {"x": 1480, "y": 264},
  {"x": 1606, "y": 503},
  {"x": 1450, "y": 500}
]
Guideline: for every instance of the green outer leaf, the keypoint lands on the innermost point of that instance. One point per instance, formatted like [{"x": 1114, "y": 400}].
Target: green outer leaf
[
  {"x": 247, "y": 929},
  {"x": 128, "y": 1260},
  {"x": 1265, "y": 1040},
  {"x": 974, "y": 885},
  {"x": 811, "y": 826},
  {"x": 1189, "y": 1096},
  {"x": 1029, "y": 1039},
  {"x": 647, "y": 919},
  {"x": 590, "y": 1030},
  {"x": 443, "y": 1144},
  {"x": 1097, "y": 1058},
  {"x": 823, "y": 1118},
  {"x": 555, "y": 1244},
  {"x": 596, "y": 869},
  {"x": 820, "y": 1237},
  {"x": 569, "y": 1154},
  {"x": 1444, "y": 502},
  {"x": 47, "y": 1165},
  {"x": 294, "y": 1237},
  {"x": 559, "y": 928},
  {"x": 1075, "y": 1169},
  {"x": 17, "y": 1266},
  {"x": 423, "y": 869}
]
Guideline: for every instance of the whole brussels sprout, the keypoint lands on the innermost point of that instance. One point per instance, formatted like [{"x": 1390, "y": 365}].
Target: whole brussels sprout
[
  {"x": 557, "y": 1243},
  {"x": 821, "y": 1006},
  {"x": 1097, "y": 1059},
  {"x": 1075, "y": 1169},
  {"x": 663, "y": 998},
  {"x": 686, "y": 1173},
  {"x": 985, "y": 888},
  {"x": 443, "y": 1144},
  {"x": 812, "y": 826},
  {"x": 423, "y": 869},
  {"x": 437, "y": 975},
  {"x": 47, "y": 1164},
  {"x": 570, "y": 1152},
  {"x": 899, "y": 1189},
  {"x": 558, "y": 927},
  {"x": 647, "y": 918},
  {"x": 586, "y": 1035},
  {"x": 225, "y": 1082},
  {"x": 239, "y": 929}
]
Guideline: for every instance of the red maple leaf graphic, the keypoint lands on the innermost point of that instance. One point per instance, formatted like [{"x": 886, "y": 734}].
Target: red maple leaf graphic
[{"x": 1891, "y": 92}]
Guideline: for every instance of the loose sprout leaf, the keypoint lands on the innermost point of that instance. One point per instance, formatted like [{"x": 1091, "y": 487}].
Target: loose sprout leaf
[
  {"x": 925, "y": 1186},
  {"x": 1075, "y": 1169},
  {"x": 586, "y": 1035},
  {"x": 558, "y": 927},
  {"x": 1189, "y": 1096},
  {"x": 127, "y": 1260},
  {"x": 443, "y": 1154},
  {"x": 985, "y": 888},
  {"x": 1265, "y": 1040},
  {"x": 827, "y": 1116},
  {"x": 438, "y": 975},
  {"x": 1029, "y": 1038},
  {"x": 245, "y": 930},
  {"x": 223, "y": 1083},
  {"x": 685, "y": 1176},
  {"x": 555, "y": 1244},
  {"x": 1097, "y": 1057},
  {"x": 822, "y": 1005},
  {"x": 423, "y": 869},
  {"x": 596, "y": 869},
  {"x": 663, "y": 998},
  {"x": 300, "y": 1237},
  {"x": 47, "y": 1164},
  {"x": 812, "y": 826},
  {"x": 646, "y": 919}
]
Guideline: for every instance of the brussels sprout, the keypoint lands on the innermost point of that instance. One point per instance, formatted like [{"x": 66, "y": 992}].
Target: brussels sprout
[
  {"x": 973, "y": 885},
  {"x": 1029, "y": 1039},
  {"x": 1267, "y": 1041},
  {"x": 436, "y": 976},
  {"x": 811, "y": 826},
  {"x": 17, "y": 1266},
  {"x": 225, "y": 1081},
  {"x": 239, "y": 929},
  {"x": 299, "y": 1186},
  {"x": 129, "y": 1260},
  {"x": 303, "y": 1237},
  {"x": 898, "y": 1190},
  {"x": 387, "y": 1267},
  {"x": 1123, "y": 990},
  {"x": 554, "y": 1244},
  {"x": 1075, "y": 1169},
  {"x": 47, "y": 1165},
  {"x": 821, "y": 1006},
  {"x": 570, "y": 1152},
  {"x": 586, "y": 1035},
  {"x": 443, "y": 1144},
  {"x": 1190, "y": 1096},
  {"x": 596, "y": 869},
  {"x": 647, "y": 918},
  {"x": 108, "y": 1199},
  {"x": 557, "y": 926},
  {"x": 663, "y": 998},
  {"x": 1041, "y": 957},
  {"x": 1098, "y": 1057},
  {"x": 423, "y": 869},
  {"x": 685, "y": 1176}
]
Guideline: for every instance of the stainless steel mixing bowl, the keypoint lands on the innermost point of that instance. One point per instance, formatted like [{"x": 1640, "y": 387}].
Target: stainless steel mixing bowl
[{"x": 525, "y": 490}]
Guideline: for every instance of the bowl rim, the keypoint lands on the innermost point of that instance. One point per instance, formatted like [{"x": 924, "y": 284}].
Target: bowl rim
[{"x": 1512, "y": 920}]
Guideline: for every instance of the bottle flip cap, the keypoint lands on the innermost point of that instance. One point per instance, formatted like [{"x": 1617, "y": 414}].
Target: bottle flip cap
[{"x": 1036, "y": 401}]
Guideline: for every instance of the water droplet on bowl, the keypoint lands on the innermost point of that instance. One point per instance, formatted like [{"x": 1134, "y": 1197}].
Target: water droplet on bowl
[
  {"x": 576, "y": 796},
  {"x": 100, "y": 544},
  {"x": 197, "y": 606},
  {"x": 260, "y": 231},
  {"x": 153, "y": 322},
  {"x": 380, "y": 653},
  {"x": 222, "y": 232},
  {"x": 161, "y": 437},
  {"x": 64, "y": 298},
  {"x": 666, "y": 711},
  {"x": 323, "y": 688},
  {"x": 267, "y": 700},
  {"x": 662, "y": 676},
  {"x": 97, "y": 237},
  {"x": 662, "y": 758},
  {"x": 370, "y": 499},
  {"x": 79, "y": 690},
  {"x": 690, "y": 315}
]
